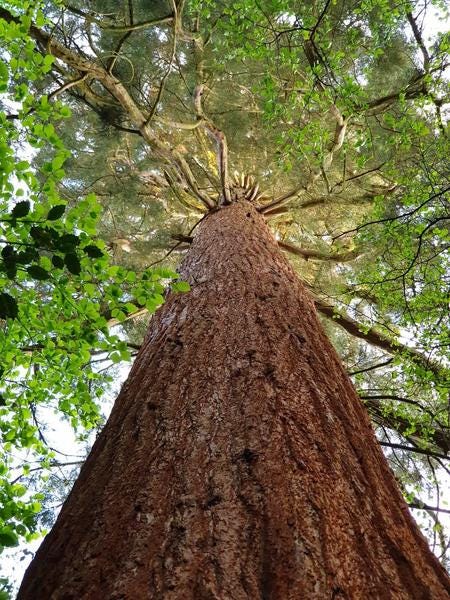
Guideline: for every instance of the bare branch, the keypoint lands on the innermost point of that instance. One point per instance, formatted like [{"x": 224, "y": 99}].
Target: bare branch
[
  {"x": 222, "y": 159},
  {"x": 339, "y": 135},
  {"x": 52, "y": 465},
  {"x": 112, "y": 61},
  {"x": 357, "y": 176},
  {"x": 178, "y": 125},
  {"x": 64, "y": 87},
  {"x": 335, "y": 146},
  {"x": 134, "y": 315},
  {"x": 438, "y": 436},
  {"x": 415, "y": 89}
]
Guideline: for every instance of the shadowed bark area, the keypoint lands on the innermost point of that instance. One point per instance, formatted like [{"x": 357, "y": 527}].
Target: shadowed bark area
[{"x": 238, "y": 462}]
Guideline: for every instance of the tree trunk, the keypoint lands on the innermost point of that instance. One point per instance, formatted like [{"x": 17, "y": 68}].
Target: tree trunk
[{"x": 238, "y": 462}]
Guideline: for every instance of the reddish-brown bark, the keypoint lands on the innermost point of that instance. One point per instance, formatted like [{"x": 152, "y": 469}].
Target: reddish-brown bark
[{"x": 238, "y": 462}]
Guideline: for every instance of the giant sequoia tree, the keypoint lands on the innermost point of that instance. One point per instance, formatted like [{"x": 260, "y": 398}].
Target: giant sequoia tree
[{"x": 269, "y": 144}]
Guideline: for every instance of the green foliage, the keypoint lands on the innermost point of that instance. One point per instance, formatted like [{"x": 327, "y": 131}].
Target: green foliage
[
  {"x": 6, "y": 589},
  {"x": 59, "y": 290}
]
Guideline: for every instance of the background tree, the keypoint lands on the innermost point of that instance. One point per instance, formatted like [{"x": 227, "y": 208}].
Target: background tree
[{"x": 337, "y": 110}]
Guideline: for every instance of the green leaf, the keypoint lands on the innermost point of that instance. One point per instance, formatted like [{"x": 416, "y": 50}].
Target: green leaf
[
  {"x": 129, "y": 307},
  {"x": 4, "y": 73},
  {"x": 181, "y": 286},
  {"x": 93, "y": 251},
  {"x": 115, "y": 357},
  {"x": 8, "y": 252},
  {"x": 68, "y": 242},
  {"x": 164, "y": 273},
  {"x": 40, "y": 19},
  {"x": 27, "y": 256},
  {"x": 48, "y": 61},
  {"x": 21, "y": 209},
  {"x": 8, "y": 537},
  {"x": 65, "y": 111},
  {"x": 35, "y": 507},
  {"x": 41, "y": 235},
  {"x": 8, "y": 306},
  {"x": 57, "y": 261},
  {"x": 10, "y": 269},
  {"x": 58, "y": 162},
  {"x": 56, "y": 212},
  {"x": 38, "y": 273},
  {"x": 18, "y": 490},
  {"x": 72, "y": 263}
]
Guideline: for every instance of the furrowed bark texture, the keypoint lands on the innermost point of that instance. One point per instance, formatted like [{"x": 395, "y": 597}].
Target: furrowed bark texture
[{"x": 238, "y": 462}]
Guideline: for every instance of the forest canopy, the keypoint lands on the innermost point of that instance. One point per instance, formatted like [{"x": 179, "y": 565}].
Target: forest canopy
[{"x": 123, "y": 124}]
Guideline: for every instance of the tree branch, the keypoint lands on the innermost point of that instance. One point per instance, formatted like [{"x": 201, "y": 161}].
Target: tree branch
[
  {"x": 422, "y": 506},
  {"x": 118, "y": 91},
  {"x": 385, "y": 363},
  {"x": 414, "y": 449},
  {"x": 409, "y": 213},
  {"x": 422, "y": 435},
  {"x": 416, "y": 88},
  {"x": 267, "y": 208},
  {"x": 116, "y": 53},
  {"x": 118, "y": 29},
  {"x": 419, "y": 40},
  {"x": 319, "y": 20},
  {"x": 376, "y": 338},
  {"x": 217, "y": 134},
  {"x": 316, "y": 254}
]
